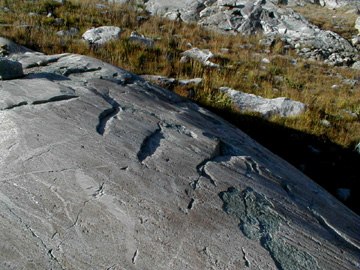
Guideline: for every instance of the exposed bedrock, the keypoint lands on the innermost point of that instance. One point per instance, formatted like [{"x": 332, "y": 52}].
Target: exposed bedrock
[{"x": 101, "y": 169}]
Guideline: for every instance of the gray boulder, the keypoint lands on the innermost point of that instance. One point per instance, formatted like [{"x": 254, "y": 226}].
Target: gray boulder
[
  {"x": 68, "y": 33},
  {"x": 101, "y": 35},
  {"x": 141, "y": 39},
  {"x": 194, "y": 81},
  {"x": 356, "y": 65},
  {"x": 163, "y": 81},
  {"x": 201, "y": 55},
  {"x": 357, "y": 24},
  {"x": 101, "y": 169},
  {"x": 10, "y": 69},
  {"x": 337, "y": 3},
  {"x": 266, "y": 107},
  {"x": 186, "y": 10},
  {"x": 170, "y": 83}
]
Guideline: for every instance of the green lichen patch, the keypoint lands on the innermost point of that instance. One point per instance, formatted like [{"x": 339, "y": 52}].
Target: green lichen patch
[
  {"x": 259, "y": 221},
  {"x": 253, "y": 210}
]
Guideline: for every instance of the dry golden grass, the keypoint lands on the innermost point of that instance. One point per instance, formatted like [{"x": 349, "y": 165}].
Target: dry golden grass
[
  {"x": 308, "y": 82},
  {"x": 339, "y": 20}
]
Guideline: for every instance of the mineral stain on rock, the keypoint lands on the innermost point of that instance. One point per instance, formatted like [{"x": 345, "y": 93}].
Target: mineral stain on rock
[{"x": 259, "y": 221}]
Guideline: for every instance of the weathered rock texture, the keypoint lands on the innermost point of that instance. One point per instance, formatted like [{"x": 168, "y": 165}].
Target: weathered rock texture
[
  {"x": 101, "y": 169},
  {"x": 201, "y": 55},
  {"x": 101, "y": 35},
  {"x": 261, "y": 16}
]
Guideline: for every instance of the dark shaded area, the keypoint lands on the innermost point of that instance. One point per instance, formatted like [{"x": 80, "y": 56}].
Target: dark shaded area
[
  {"x": 150, "y": 144},
  {"x": 330, "y": 165},
  {"x": 54, "y": 99},
  {"x": 47, "y": 76}
]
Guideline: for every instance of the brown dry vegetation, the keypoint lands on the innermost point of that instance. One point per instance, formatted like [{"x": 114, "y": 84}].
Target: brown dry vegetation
[
  {"x": 339, "y": 20},
  {"x": 308, "y": 82}
]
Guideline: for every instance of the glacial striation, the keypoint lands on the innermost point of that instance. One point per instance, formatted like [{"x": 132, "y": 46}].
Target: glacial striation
[{"x": 101, "y": 169}]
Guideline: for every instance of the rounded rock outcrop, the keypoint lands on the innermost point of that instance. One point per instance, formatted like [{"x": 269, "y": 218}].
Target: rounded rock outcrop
[{"x": 102, "y": 34}]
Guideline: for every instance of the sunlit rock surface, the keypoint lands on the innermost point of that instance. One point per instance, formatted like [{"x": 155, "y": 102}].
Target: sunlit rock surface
[{"x": 101, "y": 169}]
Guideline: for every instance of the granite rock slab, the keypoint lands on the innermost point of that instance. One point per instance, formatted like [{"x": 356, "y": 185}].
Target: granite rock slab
[{"x": 101, "y": 169}]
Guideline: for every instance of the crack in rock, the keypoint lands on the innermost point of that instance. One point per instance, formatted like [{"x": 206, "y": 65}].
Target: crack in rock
[
  {"x": 251, "y": 166},
  {"x": 76, "y": 70},
  {"x": 152, "y": 141},
  {"x": 334, "y": 231},
  {"x": 39, "y": 102},
  {"x": 259, "y": 221},
  {"x": 190, "y": 205},
  {"x": 219, "y": 151},
  {"x": 100, "y": 191},
  {"x": 150, "y": 144},
  {"x": 45, "y": 60},
  {"x": 247, "y": 263},
  {"x": 136, "y": 253},
  {"x": 106, "y": 115},
  {"x": 32, "y": 232},
  {"x": 54, "y": 99},
  {"x": 22, "y": 103},
  {"x": 78, "y": 215}
]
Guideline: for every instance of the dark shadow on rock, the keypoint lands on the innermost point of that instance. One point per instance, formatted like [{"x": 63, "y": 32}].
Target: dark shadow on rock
[
  {"x": 328, "y": 164},
  {"x": 48, "y": 76}
]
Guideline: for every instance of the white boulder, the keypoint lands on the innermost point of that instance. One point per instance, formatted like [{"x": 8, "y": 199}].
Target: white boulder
[
  {"x": 267, "y": 107},
  {"x": 101, "y": 35}
]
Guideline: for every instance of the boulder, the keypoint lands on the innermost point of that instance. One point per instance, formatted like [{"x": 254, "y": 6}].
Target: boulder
[
  {"x": 356, "y": 65},
  {"x": 357, "y": 24},
  {"x": 170, "y": 83},
  {"x": 141, "y": 39},
  {"x": 10, "y": 69},
  {"x": 101, "y": 169},
  {"x": 338, "y": 3},
  {"x": 186, "y": 10},
  {"x": 194, "y": 81},
  {"x": 201, "y": 55},
  {"x": 101, "y": 35},
  {"x": 68, "y": 33},
  {"x": 266, "y": 107},
  {"x": 163, "y": 81}
]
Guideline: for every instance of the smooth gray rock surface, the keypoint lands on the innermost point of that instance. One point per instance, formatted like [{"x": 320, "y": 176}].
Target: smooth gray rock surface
[
  {"x": 266, "y": 107},
  {"x": 102, "y": 34},
  {"x": 100, "y": 169}
]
